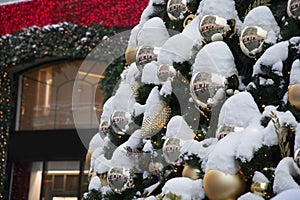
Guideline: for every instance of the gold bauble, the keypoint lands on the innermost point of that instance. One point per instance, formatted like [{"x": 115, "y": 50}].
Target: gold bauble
[
  {"x": 294, "y": 95},
  {"x": 130, "y": 54},
  {"x": 155, "y": 121},
  {"x": 221, "y": 186},
  {"x": 260, "y": 189},
  {"x": 88, "y": 158},
  {"x": 191, "y": 172}
]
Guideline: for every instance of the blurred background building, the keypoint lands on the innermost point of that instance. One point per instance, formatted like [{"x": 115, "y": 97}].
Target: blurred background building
[{"x": 42, "y": 46}]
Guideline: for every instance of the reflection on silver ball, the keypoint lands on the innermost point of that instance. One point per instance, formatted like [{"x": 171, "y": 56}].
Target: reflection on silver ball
[
  {"x": 293, "y": 9},
  {"x": 119, "y": 121},
  {"x": 146, "y": 54},
  {"x": 120, "y": 179},
  {"x": 176, "y": 9},
  {"x": 103, "y": 128}
]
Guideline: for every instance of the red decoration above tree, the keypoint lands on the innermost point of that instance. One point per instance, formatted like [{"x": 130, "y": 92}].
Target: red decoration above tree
[{"x": 110, "y": 13}]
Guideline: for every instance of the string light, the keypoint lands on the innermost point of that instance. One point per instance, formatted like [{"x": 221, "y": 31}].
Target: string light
[
  {"x": 14, "y": 17},
  {"x": 5, "y": 114}
]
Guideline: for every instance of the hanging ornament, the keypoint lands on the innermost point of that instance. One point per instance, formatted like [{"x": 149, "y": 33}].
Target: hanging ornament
[
  {"x": 188, "y": 20},
  {"x": 130, "y": 54},
  {"x": 171, "y": 149},
  {"x": 222, "y": 186},
  {"x": 135, "y": 89},
  {"x": 165, "y": 72},
  {"x": 297, "y": 157},
  {"x": 213, "y": 28},
  {"x": 294, "y": 95},
  {"x": 156, "y": 120},
  {"x": 146, "y": 54},
  {"x": 191, "y": 172},
  {"x": 119, "y": 121},
  {"x": 204, "y": 86},
  {"x": 176, "y": 9},
  {"x": 293, "y": 9},
  {"x": 261, "y": 189},
  {"x": 103, "y": 128},
  {"x": 225, "y": 129},
  {"x": 251, "y": 40},
  {"x": 120, "y": 179}
]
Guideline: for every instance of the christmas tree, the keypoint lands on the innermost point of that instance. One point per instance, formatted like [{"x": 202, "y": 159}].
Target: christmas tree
[{"x": 208, "y": 106}]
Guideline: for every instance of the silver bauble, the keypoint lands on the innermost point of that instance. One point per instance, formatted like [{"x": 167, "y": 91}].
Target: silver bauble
[
  {"x": 120, "y": 179},
  {"x": 204, "y": 86},
  {"x": 176, "y": 9},
  {"x": 119, "y": 121},
  {"x": 146, "y": 54},
  {"x": 251, "y": 40}
]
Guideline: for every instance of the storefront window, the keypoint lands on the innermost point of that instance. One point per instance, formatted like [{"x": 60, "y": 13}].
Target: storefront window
[
  {"x": 58, "y": 181},
  {"x": 47, "y": 97}
]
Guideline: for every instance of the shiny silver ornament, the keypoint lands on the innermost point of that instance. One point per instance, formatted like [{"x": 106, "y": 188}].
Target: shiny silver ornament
[
  {"x": 165, "y": 72},
  {"x": 119, "y": 121},
  {"x": 171, "y": 149},
  {"x": 204, "y": 86},
  {"x": 252, "y": 39},
  {"x": 103, "y": 128},
  {"x": 176, "y": 9},
  {"x": 212, "y": 26},
  {"x": 293, "y": 9},
  {"x": 225, "y": 129},
  {"x": 146, "y": 54},
  {"x": 120, "y": 179}
]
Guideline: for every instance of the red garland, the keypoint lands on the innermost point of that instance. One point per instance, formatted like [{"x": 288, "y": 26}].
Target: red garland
[{"x": 109, "y": 13}]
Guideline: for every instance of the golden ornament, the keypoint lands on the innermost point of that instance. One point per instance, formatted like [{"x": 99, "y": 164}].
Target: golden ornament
[
  {"x": 294, "y": 95},
  {"x": 188, "y": 20},
  {"x": 88, "y": 158},
  {"x": 130, "y": 54},
  {"x": 260, "y": 189},
  {"x": 191, "y": 172},
  {"x": 221, "y": 186},
  {"x": 158, "y": 118},
  {"x": 281, "y": 133},
  {"x": 168, "y": 196},
  {"x": 135, "y": 87}
]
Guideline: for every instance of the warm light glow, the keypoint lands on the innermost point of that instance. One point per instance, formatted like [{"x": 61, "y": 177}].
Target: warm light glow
[{"x": 91, "y": 74}]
